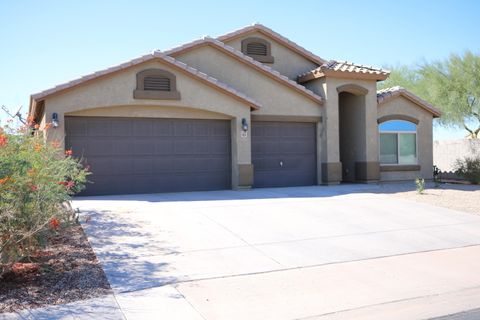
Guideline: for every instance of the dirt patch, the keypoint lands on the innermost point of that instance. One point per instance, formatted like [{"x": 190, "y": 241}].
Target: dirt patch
[
  {"x": 453, "y": 196},
  {"x": 66, "y": 271}
]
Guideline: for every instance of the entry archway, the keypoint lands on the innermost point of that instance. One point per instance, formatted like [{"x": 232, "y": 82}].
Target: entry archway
[{"x": 352, "y": 131}]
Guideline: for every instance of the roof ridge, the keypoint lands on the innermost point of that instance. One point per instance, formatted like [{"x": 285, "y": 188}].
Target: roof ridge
[
  {"x": 250, "y": 60},
  {"x": 337, "y": 66},
  {"x": 258, "y": 26},
  {"x": 384, "y": 95},
  {"x": 141, "y": 59}
]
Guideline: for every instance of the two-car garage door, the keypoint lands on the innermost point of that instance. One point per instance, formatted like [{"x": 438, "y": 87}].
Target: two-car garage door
[{"x": 139, "y": 155}]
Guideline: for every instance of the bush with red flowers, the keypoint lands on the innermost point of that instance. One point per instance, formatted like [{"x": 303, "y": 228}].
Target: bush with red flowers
[{"x": 36, "y": 184}]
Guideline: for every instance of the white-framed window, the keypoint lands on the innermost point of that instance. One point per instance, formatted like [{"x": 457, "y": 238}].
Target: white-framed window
[{"x": 398, "y": 142}]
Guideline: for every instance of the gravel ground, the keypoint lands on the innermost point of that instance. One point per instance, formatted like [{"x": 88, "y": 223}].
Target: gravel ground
[
  {"x": 66, "y": 271},
  {"x": 453, "y": 196}
]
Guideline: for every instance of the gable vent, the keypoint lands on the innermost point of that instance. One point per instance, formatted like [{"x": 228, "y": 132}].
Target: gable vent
[
  {"x": 256, "y": 48},
  {"x": 156, "y": 83}
]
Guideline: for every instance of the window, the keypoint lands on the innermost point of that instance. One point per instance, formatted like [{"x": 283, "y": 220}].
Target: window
[
  {"x": 156, "y": 84},
  {"x": 398, "y": 142},
  {"x": 257, "y": 48}
]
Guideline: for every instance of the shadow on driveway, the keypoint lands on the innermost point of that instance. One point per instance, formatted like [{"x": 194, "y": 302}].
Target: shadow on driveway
[{"x": 124, "y": 248}]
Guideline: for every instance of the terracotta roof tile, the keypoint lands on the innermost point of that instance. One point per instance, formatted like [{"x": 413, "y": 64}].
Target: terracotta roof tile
[
  {"x": 385, "y": 95},
  {"x": 155, "y": 55},
  {"x": 335, "y": 67},
  {"x": 281, "y": 39},
  {"x": 249, "y": 60}
]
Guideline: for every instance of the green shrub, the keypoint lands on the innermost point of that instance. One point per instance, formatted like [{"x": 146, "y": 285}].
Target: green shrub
[
  {"x": 469, "y": 169},
  {"x": 36, "y": 183},
  {"x": 420, "y": 185}
]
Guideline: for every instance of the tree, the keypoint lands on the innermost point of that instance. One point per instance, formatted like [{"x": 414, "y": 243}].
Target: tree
[{"x": 452, "y": 85}]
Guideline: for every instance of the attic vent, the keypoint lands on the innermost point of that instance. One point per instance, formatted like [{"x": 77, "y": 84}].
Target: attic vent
[
  {"x": 257, "y": 49},
  {"x": 156, "y": 83}
]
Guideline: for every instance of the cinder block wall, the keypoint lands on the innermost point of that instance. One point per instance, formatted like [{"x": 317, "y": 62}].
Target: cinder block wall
[{"x": 445, "y": 153}]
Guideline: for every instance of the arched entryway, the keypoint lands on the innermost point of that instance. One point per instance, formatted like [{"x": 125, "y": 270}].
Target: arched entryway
[{"x": 352, "y": 130}]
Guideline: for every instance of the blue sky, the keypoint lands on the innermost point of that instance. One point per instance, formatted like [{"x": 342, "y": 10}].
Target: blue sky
[{"x": 44, "y": 43}]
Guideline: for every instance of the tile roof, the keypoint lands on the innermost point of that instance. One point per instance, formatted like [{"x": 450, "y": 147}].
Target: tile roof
[
  {"x": 344, "y": 69},
  {"x": 385, "y": 95},
  {"x": 148, "y": 57},
  {"x": 246, "y": 59},
  {"x": 278, "y": 37}
]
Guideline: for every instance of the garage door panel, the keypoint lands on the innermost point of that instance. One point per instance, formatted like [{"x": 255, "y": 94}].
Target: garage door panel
[
  {"x": 121, "y": 166},
  {"x": 78, "y": 128},
  {"x": 129, "y": 155},
  {"x": 284, "y": 154},
  {"x": 183, "y": 146},
  {"x": 183, "y": 129},
  {"x": 220, "y": 147},
  {"x": 143, "y": 165},
  {"x": 163, "y": 128},
  {"x": 164, "y": 165},
  {"x": 97, "y": 128},
  {"x": 99, "y": 146},
  {"x": 163, "y": 146},
  {"x": 143, "y": 128},
  {"x": 271, "y": 130},
  {"x": 143, "y": 146},
  {"x": 221, "y": 129},
  {"x": 202, "y": 146},
  {"x": 120, "y": 128},
  {"x": 202, "y": 130}
]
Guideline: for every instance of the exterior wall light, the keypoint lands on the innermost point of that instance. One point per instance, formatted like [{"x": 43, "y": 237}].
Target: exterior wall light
[
  {"x": 55, "y": 123},
  {"x": 244, "y": 125}
]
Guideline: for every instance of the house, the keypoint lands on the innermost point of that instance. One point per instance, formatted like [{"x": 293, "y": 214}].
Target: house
[{"x": 247, "y": 109}]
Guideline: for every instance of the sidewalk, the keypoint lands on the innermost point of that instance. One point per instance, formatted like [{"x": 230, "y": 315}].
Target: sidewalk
[{"x": 105, "y": 308}]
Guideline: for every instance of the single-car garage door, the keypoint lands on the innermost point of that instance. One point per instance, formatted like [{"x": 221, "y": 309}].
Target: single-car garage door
[
  {"x": 284, "y": 154},
  {"x": 138, "y": 155}
]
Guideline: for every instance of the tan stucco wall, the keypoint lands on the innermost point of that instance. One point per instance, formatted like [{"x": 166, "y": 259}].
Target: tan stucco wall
[
  {"x": 327, "y": 88},
  {"x": 286, "y": 61},
  {"x": 402, "y": 106},
  {"x": 145, "y": 111},
  {"x": 275, "y": 97},
  {"x": 113, "y": 96}
]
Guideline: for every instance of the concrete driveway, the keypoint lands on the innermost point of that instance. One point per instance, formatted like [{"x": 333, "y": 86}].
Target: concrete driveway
[{"x": 340, "y": 252}]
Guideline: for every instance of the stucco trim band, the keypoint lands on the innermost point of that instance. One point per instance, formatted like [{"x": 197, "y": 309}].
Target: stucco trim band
[
  {"x": 283, "y": 118},
  {"x": 397, "y": 117},
  {"x": 401, "y": 167},
  {"x": 352, "y": 88}
]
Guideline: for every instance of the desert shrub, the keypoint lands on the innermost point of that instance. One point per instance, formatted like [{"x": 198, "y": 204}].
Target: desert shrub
[
  {"x": 420, "y": 185},
  {"x": 468, "y": 168},
  {"x": 36, "y": 183}
]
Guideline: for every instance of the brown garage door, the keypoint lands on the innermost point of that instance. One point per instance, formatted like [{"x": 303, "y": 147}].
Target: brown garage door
[
  {"x": 132, "y": 155},
  {"x": 284, "y": 154}
]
